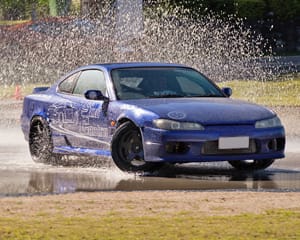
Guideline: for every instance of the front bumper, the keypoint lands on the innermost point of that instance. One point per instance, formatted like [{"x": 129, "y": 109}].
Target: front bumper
[{"x": 202, "y": 146}]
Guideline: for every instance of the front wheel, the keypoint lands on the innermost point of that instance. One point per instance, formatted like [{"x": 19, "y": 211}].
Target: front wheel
[
  {"x": 127, "y": 149},
  {"x": 250, "y": 165}
]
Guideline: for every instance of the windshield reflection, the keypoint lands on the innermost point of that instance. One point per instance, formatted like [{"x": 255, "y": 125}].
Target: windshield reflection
[{"x": 162, "y": 82}]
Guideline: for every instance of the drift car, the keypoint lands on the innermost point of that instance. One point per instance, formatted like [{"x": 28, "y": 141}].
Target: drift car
[{"x": 147, "y": 114}]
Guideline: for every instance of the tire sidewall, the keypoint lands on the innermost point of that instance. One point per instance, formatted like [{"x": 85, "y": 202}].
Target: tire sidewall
[
  {"x": 48, "y": 156},
  {"x": 115, "y": 146}
]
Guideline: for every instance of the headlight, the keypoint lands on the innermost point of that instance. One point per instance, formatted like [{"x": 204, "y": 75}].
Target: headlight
[
  {"x": 268, "y": 123},
  {"x": 175, "y": 125}
]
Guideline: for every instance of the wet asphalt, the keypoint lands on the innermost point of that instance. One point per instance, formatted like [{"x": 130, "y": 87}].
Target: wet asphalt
[{"x": 19, "y": 175}]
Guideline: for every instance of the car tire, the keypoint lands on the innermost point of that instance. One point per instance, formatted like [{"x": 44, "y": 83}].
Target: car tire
[
  {"x": 250, "y": 165},
  {"x": 40, "y": 142},
  {"x": 127, "y": 150}
]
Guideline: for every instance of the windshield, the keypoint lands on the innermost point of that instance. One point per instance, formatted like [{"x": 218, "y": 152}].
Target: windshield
[{"x": 162, "y": 82}]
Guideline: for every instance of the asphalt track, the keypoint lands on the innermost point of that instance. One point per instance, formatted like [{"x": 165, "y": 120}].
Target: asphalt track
[{"x": 19, "y": 175}]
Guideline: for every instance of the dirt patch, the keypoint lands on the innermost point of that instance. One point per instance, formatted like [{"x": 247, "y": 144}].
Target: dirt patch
[{"x": 149, "y": 203}]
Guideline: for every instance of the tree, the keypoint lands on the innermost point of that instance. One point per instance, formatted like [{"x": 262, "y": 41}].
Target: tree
[
  {"x": 13, "y": 9},
  {"x": 23, "y": 9},
  {"x": 59, "y": 7},
  {"x": 52, "y": 8},
  {"x": 94, "y": 8}
]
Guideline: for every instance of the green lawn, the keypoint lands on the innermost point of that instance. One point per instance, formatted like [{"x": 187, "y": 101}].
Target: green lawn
[
  {"x": 279, "y": 224},
  {"x": 270, "y": 93},
  {"x": 9, "y": 22},
  {"x": 8, "y": 92}
]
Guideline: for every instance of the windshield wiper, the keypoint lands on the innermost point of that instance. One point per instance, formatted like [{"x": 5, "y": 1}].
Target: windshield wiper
[
  {"x": 166, "y": 96},
  {"x": 207, "y": 95}
]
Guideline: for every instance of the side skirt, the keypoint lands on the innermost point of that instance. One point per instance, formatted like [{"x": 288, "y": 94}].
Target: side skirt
[{"x": 81, "y": 151}]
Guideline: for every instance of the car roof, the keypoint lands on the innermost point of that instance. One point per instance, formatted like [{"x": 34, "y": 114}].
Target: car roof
[{"x": 111, "y": 66}]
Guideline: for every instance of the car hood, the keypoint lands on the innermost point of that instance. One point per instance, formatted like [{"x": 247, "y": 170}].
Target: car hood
[{"x": 207, "y": 111}]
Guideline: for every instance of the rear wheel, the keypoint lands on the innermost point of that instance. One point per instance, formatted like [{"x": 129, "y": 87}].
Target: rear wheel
[
  {"x": 127, "y": 149},
  {"x": 40, "y": 142},
  {"x": 251, "y": 164}
]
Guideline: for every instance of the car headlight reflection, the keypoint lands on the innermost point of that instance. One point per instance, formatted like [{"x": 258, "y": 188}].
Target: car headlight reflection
[
  {"x": 175, "y": 125},
  {"x": 268, "y": 123}
]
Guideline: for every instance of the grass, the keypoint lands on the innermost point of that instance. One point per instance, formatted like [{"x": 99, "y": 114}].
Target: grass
[
  {"x": 270, "y": 93},
  {"x": 279, "y": 224},
  {"x": 8, "y": 91},
  {"x": 9, "y": 22}
]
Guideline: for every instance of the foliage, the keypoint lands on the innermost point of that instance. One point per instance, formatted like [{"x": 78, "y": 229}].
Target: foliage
[
  {"x": 285, "y": 9},
  {"x": 12, "y": 10},
  {"x": 20, "y": 9},
  {"x": 198, "y": 8},
  {"x": 52, "y": 7},
  {"x": 250, "y": 9}
]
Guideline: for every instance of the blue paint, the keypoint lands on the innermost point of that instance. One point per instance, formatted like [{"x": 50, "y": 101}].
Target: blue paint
[
  {"x": 82, "y": 126},
  {"x": 83, "y": 151}
]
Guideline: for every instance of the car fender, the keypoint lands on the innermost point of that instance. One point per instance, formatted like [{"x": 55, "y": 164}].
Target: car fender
[
  {"x": 32, "y": 107},
  {"x": 138, "y": 116}
]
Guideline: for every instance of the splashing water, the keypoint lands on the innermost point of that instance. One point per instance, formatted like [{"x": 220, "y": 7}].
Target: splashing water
[{"x": 43, "y": 51}]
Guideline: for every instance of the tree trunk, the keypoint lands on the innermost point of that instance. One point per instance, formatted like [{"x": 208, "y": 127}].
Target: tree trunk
[
  {"x": 33, "y": 11},
  {"x": 1, "y": 14},
  {"x": 53, "y": 8},
  {"x": 85, "y": 7}
]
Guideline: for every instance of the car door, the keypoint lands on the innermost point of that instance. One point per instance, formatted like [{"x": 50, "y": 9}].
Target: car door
[
  {"x": 62, "y": 113},
  {"x": 90, "y": 121}
]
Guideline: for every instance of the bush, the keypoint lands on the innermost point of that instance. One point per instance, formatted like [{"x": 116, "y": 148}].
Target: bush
[
  {"x": 285, "y": 9},
  {"x": 250, "y": 9},
  {"x": 12, "y": 10},
  {"x": 199, "y": 8}
]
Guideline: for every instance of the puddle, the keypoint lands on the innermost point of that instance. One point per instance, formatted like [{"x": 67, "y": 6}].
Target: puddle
[{"x": 19, "y": 175}]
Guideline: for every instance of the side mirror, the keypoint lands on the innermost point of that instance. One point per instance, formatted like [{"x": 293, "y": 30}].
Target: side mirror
[
  {"x": 95, "y": 95},
  {"x": 227, "y": 91}
]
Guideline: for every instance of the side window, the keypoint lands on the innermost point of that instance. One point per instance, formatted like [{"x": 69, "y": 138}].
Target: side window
[
  {"x": 67, "y": 85},
  {"x": 90, "y": 80}
]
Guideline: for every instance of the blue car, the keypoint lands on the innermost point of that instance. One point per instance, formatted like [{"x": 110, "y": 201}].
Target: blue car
[{"x": 146, "y": 114}]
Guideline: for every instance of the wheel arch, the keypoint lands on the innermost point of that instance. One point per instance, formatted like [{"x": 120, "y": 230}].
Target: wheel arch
[
  {"x": 124, "y": 127},
  {"x": 123, "y": 120},
  {"x": 126, "y": 119},
  {"x": 138, "y": 117},
  {"x": 36, "y": 119}
]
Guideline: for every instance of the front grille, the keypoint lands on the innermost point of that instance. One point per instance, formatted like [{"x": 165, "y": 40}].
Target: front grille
[{"x": 211, "y": 148}]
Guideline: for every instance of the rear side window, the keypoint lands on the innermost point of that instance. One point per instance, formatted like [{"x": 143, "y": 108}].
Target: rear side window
[
  {"x": 90, "y": 80},
  {"x": 67, "y": 85}
]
